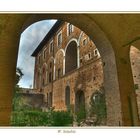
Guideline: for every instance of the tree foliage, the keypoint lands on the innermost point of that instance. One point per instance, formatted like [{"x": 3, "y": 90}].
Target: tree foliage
[{"x": 19, "y": 75}]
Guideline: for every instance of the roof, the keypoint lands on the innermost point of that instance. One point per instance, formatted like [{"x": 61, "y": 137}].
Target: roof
[{"x": 52, "y": 31}]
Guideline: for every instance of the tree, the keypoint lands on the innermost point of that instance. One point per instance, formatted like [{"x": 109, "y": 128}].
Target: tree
[{"x": 19, "y": 75}]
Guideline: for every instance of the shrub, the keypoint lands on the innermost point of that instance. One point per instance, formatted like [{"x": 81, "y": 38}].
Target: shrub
[
  {"x": 62, "y": 118},
  {"x": 81, "y": 114},
  {"x": 38, "y": 118},
  {"x": 98, "y": 106}
]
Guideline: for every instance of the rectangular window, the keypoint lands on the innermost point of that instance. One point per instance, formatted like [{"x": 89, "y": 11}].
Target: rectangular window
[
  {"x": 44, "y": 54},
  {"x": 69, "y": 29},
  {"x": 50, "y": 77},
  {"x": 50, "y": 65},
  {"x": 84, "y": 42},
  {"x": 88, "y": 56},
  {"x": 95, "y": 52},
  {"x": 59, "y": 39},
  {"x": 59, "y": 73},
  {"x": 50, "y": 99}
]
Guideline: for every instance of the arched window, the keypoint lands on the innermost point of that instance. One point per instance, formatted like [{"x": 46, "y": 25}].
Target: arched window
[
  {"x": 71, "y": 57},
  {"x": 50, "y": 101},
  {"x": 79, "y": 101},
  {"x": 67, "y": 96},
  {"x": 59, "y": 73},
  {"x": 50, "y": 77},
  {"x": 51, "y": 46},
  {"x": 69, "y": 29},
  {"x": 43, "y": 76}
]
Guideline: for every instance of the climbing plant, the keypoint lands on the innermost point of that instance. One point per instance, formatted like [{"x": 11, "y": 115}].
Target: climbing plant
[{"x": 98, "y": 106}]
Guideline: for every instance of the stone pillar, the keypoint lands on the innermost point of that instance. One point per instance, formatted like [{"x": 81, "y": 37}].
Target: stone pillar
[
  {"x": 126, "y": 86},
  {"x": 64, "y": 65},
  {"x": 10, "y": 26}
]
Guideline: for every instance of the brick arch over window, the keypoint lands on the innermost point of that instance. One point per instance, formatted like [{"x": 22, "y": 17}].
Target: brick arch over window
[
  {"x": 51, "y": 69},
  {"x": 59, "y": 63},
  {"x": 71, "y": 57}
]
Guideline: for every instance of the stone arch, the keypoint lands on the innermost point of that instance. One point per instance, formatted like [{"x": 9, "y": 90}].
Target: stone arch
[
  {"x": 80, "y": 36},
  {"x": 98, "y": 33},
  {"x": 71, "y": 56},
  {"x": 73, "y": 39},
  {"x": 59, "y": 63},
  {"x": 114, "y": 114},
  {"x": 67, "y": 96},
  {"x": 51, "y": 69},
  {"x": 60, "y": 50}
]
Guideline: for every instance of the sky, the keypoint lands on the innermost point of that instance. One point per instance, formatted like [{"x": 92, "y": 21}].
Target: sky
[{"x": 29, "y": 40}]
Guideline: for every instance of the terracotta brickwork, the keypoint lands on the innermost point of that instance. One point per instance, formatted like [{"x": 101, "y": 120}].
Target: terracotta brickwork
[{"x": 75, "y": 63}]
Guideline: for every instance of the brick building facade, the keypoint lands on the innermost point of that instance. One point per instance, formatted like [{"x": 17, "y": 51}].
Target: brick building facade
[{"x": 68, "y": 67}]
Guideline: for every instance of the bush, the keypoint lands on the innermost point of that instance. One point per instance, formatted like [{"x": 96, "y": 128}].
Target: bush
[
  {"x": 81, "y": 114},
  {"x": 38, "y": 118},
  {"x": 98, "y": 106},
  {"x": 30, "y": 118},
  {"x": 62, "y": 118}
]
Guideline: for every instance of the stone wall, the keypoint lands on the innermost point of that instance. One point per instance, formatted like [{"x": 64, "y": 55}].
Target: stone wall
[
  {"x": 85, "y": 75},
  {"x": 32, "y": 100},
  {"x": 87, "y": 78}
]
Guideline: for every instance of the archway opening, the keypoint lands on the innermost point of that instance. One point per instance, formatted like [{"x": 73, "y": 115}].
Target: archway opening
[
  {"x": 106, "y": 52},
  {"x": 79, "y": 101},
  {"x": 71, "y": 57}
]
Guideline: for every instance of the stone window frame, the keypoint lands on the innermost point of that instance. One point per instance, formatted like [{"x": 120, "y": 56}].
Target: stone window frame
[
  {"x": 85, "y": 41},
  {"x": 96, "y": 53},
  {"x": 39, "y": 59},
  {"x": 59, "y": 43},
  {"x": 89, "y": 55},
  {"x": 50, "y": 77},
  {"x": 59, "y": 73},
  {"x": 44, "y": 53},
  {"x": 51, "y": 48},
  {"x": 70, "y": 29}
]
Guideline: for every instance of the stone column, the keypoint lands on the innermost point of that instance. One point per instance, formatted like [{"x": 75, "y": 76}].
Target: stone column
[
  {"x": 10, "y": 26},
  {"x": 126, "y": 86},
  {"x": 64, "y": 65}
]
